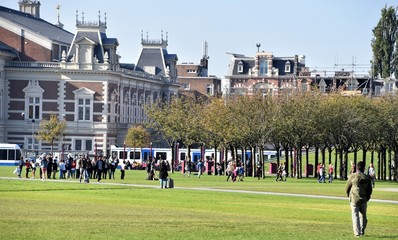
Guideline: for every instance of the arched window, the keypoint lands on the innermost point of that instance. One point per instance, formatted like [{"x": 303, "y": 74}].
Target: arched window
[
  {"x": 287, "y": 67},
  {"x": 240, "y": 67}
]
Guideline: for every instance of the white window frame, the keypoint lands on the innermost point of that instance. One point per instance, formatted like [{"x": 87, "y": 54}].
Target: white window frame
[
  {"x": 287, "y": 67},
  {"x": 263, "y": 67},
  {"x": 240, "y": 67},
  {"x": 210, "y": 89},
  {"x": 84, "y": 94},
  {"x": 35, "y": 92}
]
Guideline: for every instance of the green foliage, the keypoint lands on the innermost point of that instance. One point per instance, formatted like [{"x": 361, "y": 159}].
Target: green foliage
[
  {"x": 384, "y": 44},
  {"x": 51, "y": 130},
  {"x": 137, "y": 137}
]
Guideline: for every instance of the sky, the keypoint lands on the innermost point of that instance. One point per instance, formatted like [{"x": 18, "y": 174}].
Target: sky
[{"x": 332, "y": 34}]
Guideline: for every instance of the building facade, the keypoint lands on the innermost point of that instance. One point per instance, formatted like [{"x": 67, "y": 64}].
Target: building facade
[
  {"x": 194, "y": 78},
  {"x": 266, "y": 74},
  {"x": 46, "y": 70}
]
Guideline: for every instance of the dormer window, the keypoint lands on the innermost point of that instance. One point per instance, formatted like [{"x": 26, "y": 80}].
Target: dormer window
[
  {"x": 240, "y": 67},
  {"x": 263, "y": 67},
  {"x": 287, "y": 67}
]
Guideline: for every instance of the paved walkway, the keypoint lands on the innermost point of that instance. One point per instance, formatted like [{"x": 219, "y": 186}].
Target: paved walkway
[{"x": 209, "y": 189}]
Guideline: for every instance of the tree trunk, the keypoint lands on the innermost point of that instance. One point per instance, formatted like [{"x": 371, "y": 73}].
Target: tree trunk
[
  {"x": 292, "y": 162},
  {"x": 215, "y": 159},
  {"x": 287, "y": 166},
  {"x": 346, "y": 168},
  {"x": 364, "y": 156},
  {"x": 253, "y": 160},
  {"x": 389, "y": 164},
  {"x": 316, "y": 162},
  {"x": 342, "y": 164},
  {"x": 378, "y": 164},
  {"x": 306, "y": 161},
  {"x": 335, "y": 163},
  {"x": 355, "y": 157}
]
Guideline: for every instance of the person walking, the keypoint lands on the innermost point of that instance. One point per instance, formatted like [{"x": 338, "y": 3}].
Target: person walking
[
  {"x": 359, "y": 189},
  {"x": 371, "y": 174},
  {"x": 62, "y": 169},
  {"x": 33, "y": 167},
  {"x": 200, "y": 168},
  {"x": 187, "y": 167},
  {"x": 122, "y": 169},
  {"x": 55, "y": 167},
  {"x": 100, "y": 165},
  {"x": 21, "y": 163},
  {"x": 321, "y": 174},
  {"x": 331, "y": 171},
  {"x": 279, "y": 173},
  {"x": 43, "y": 167},
  {"x": 163, "y": 174},
  {"x": 259, "y": 170},
  {"x": 27, "y": 168},
  {"x": 230, "y": 170}
]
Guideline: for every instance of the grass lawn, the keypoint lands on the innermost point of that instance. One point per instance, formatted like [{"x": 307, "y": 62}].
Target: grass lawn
[{"x": 68, "y": 210}]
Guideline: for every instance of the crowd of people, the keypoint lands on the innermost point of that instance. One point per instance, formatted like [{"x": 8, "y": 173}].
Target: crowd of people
[{"x": 82, "y": 168}]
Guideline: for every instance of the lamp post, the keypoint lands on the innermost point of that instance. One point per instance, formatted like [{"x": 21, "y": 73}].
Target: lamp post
[{"x": 150, "y": 151}]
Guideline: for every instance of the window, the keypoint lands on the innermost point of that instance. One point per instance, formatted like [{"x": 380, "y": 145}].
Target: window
[
  {"x": 389, "y": 87},
  {"x": 240, "y": 67},
  {"x": 263, "y": 67},
  {"x": 191, "y": 71},
  {"x": 304, "y": 87},
  {"x": 210, "y": 90},
  {"x": 33, "y": 143},
  {"x": 84, "y": 104},
  {"x": 34, "y": 108},
  {"x": 186, "y": 86},
  {"x": 135, "y": 155},
  {"x": 287, "y": 67},
  {"x": 33, "y": 100},
  {"x": 83, "y": 144},
  {"x": 377, "y": 90},
  {"x": 84, "y": 109}
]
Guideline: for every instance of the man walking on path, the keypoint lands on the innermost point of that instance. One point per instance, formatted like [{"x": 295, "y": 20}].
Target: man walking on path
[{"x": 359, "y": 190}]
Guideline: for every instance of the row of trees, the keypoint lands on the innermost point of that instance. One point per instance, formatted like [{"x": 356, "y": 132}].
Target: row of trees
[{"x": 325, "y": 123}]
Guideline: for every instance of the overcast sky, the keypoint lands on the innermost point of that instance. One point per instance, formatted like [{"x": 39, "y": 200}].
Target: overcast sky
[{"x": 332, "y": 34}]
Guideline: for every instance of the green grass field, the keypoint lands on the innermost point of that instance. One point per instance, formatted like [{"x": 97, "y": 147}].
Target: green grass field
[{"x": 195, "y": 209}]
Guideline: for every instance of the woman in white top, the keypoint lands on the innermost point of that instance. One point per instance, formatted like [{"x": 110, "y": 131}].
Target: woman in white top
[{"x": 371, "y": 173}]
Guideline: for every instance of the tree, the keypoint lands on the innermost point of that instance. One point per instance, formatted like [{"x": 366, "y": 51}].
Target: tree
[
  {"x": 384, "y": 44},
  {"x": 137, "y": 136},
  {"x": 51, "y": 130}
]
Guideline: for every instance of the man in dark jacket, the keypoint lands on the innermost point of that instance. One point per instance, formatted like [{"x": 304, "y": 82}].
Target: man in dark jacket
[
  {"x": 359, "y": 190},
  {"x": 163, "y": 174}
]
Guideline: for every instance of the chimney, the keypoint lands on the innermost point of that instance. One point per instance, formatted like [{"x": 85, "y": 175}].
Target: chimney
[{"x": 31, "y": 7}]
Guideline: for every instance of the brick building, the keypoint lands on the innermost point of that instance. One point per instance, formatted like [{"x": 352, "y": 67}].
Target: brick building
[
  {"x": 47, "y": 70},
  {"x": 195, "y": 79},
  {"x": 267, "y": 74}
]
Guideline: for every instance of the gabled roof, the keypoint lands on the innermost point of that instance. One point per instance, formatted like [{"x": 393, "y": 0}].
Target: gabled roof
[{"x": 36, "y": 25}]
